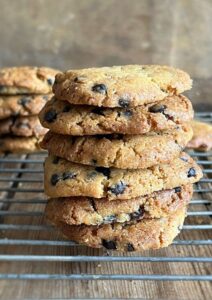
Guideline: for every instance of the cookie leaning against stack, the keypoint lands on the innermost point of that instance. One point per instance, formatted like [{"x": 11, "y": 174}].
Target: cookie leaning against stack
[
  {"x": 116, "y": 173},
  {"x": 23, "y": 92}
]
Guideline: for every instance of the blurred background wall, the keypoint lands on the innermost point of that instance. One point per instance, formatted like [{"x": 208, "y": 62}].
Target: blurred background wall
[{"x": 80, "y": 33}]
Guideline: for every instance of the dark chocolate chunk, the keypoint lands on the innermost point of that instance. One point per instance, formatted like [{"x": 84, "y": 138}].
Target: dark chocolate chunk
[
  {"x": 130, "y": 247},
  {"x": 93, "y": 204},
  {"x": 137, "y": 214},
  {"x": 50, "y": 116},
  {"x": 109, "y": 219},
  {"x": 157, "y": 108},
  {"x": 110, "y": 245},
  {"x": 79, "y": 79},
  {"x": 55, "y": 160},
  {"x": 118, "y": 189},
  {"x": 177, "y": 189},
  {"x": 100, "y": 88},
  {"x": 104, "y": 171},
  {"x": 94, "y": 161},
  {"x": 24, "y": 101},
  {"x": 124, "y": 102},
  {"x": 66, "y": 108},
  {"x": 50, "y": 81},
  {"x": 184, "y": 159},
  {"x": 191, "y": 172},
  {"x": 54, "y": 179},
  {"x": 98, "y": 111},
  {"x": 69, "y": 175},
  {"x": 128, "y": 113}
]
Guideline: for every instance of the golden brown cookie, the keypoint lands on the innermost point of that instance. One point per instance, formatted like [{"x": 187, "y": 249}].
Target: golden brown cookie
[
  {"x": 202, "y": 138},
  {"x": 89, "y": 211},
  {"x": 63, "y": 178},
  {"x": 64, "y": 118},
  {"x": 124, "y": 152},
  {"x": 22, "y": 126},
  {"x": 14, "y": 144},
  {"x": 22, "y": 105},
  {"x": 26, "y": 80},
  {"x": 145, "y": 234},
  {"x": 120, "y": 86}
]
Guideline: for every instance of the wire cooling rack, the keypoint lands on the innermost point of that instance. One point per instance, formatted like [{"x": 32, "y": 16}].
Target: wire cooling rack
[{"x": 31, "y": 249}]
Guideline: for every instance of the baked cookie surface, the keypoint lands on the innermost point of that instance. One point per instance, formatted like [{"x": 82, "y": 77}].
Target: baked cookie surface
[
  {"x": 22, "y": 126},
  {"x": 202, "y": 138},
  {"x": 64, "y": 118},
  {"x": 89, "y": 211},
  {"x": 145, "y": 234},
  {"x": 15, "y": 144},
  {"x": 124, "y": 152},
  {"x": 120, "y": 86},
  {"x": 26, "y": 80},
  {"x": 22, "y": 105},
  {"x": 63, "y": 179}
]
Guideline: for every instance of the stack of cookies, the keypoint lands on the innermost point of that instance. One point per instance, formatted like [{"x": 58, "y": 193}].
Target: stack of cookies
[
  {"x": 23, "y": 92},
  {"x": 116, "y": 175}
]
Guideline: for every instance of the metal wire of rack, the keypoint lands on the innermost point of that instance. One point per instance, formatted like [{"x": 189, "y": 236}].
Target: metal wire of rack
[{"x": 26, "y": 237}]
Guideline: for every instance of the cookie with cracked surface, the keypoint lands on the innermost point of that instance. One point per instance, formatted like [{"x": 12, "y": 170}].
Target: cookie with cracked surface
[
  {"x": 26, "y": 80},
  {"x": 145, "y": 234},
  {"x": 202, "y": 138},
  {"x": 63, "y": 178},
  {"x": 22, "y": 126},
  {"x": 14, "y": 144},
  {"x": 22, "y": 105},
  {"x": 124, "y": 152},
  {"x": 64, "y": 118},
  {"x": 120, "y": 86},
  {"x": 89, "y": 211}
]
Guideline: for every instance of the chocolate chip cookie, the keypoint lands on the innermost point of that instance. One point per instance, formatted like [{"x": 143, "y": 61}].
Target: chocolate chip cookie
[
  {"x": 14, "y": 144},
  {"x": 124, "y": 152},
  {"x": 202, "y": 138},
  {"x": 64, "y": 118},
  {"x": 22, "y": 126},
  {"x": 26, "y": 80},
  {"x": 120, "y": 86},
  {"x": 89, "y": 211},
  {"x": 63, "y": 178},
  {"x": 144, "y": 234},
  {"x": 22, "y": 105}
]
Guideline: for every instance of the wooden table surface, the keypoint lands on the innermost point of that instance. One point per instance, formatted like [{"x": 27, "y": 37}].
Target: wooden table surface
[{"x": 74, "y": 34}]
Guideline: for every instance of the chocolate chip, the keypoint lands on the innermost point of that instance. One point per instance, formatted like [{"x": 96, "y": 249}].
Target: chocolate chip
[
  {"x": 55, "y": 160},
  {"x": 94, "y": 161},
  {"x": 100, "y": 88},
  {"x": 191, "y": 172},
  {"x": 109, "y": 219},
  {"x": 54, "y": 179},
  {"x": 128, "y": 113},
  {"x": 79, "y": 79},
  {"x": 50, "y": 116},
  {"x": 130, "y": 247},
  {"x": 137, "y": 214},
  {"x": 24, "y": 101},
  {"x": 50, "y": 81},
  {"x": 111, "y": 245},
  {"x": 93, "y": 204},
  {"x": 124, "y": 102},
  {"x": 157, "y": 108},
  {"x": 98, "y": 111},
  {"x": 91, "y": 175},
  {"x": 184, "y": 159},
  {"x": 66, "y": 108},
  {"x": 177, "y": 189},
  {"x": 104, "y": 171},
  {"x": 69, "y": 175},
  {"x": 118, "y": 189}
]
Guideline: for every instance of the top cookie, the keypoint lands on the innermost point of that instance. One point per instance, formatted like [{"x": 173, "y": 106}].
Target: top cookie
[
  {"x": 202, "y": 138},
  {"x": 26, "y": 80},
  {"x": 120, "y": 86}
]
